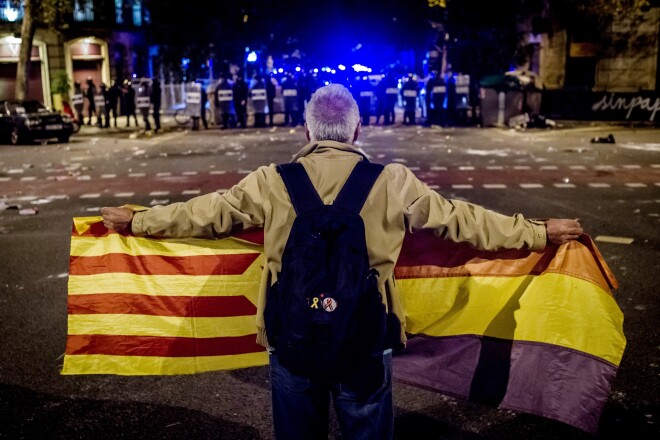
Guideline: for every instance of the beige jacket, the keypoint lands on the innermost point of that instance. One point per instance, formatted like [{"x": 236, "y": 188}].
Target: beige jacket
[{"x": 398, "y": 201}]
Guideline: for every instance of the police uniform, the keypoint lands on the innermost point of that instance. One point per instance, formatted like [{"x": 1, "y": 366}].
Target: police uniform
[
  {"x": 258, "y": 97},
  {"x": 240, "y": 101},
  {"x": 409, "y": 93},
  {"x": 224, "y": 96},
  {"x": 291, "y": 104}
]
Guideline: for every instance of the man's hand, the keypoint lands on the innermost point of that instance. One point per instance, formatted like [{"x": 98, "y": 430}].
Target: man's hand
[
  {"x": 561, "y": 230},
  {"x": 118, "y": 219}
]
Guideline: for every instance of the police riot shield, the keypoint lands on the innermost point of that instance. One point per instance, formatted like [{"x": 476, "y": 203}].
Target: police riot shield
[
  {"x": 462, "y": 92},
  {"x": 194, "y": 99}
]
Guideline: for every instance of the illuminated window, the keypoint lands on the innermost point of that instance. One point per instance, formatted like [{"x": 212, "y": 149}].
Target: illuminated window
[
  {"x": 137, "y": 13},
  {"x": 8, "y": 12},
  {"x": 119, "y": 11},
  {"x": 83, "y": 10}
]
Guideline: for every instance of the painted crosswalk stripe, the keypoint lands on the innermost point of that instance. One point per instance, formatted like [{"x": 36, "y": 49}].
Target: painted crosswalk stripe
[
  {"x": 522, "y": 167},
  {"x": 218, "y": 172},
  {"x": 462, "y": 186},
  {"x": 548, "y": 167},
  {"x": 16, "y": 171},
  {"x": 494, "y": 186},
  {"x": 90, "y": 196},
  {"x": 28, "y": 178},
  {"x": 158, "y": 193},
  {"x": 413, "y": 168},
  {"x": 531, "y": 185},
  {"x": 435, "y": 168},
  {"x": 5, "y": 179},
  {"x": 58, "y": 197},
  {"x": 564, "y": 185},
  {"x": 655, "y": 165},
  {"x": 163, "y": 174},
  {"x": 599, "y": 185},
  {"x": 26, "y": 198},
  {"x": 85, "y": 177},
  {"x": 577, "y": 167},
  {"x": 495, "y": 167},
  {"x": 467, "y": 168},
  {"x": 636, "y": 185},
  {"x": 189, "y": 173},
  {"x": 221, "y": 190},
  {"x": 108, "y": 176},
  {"x": 124, "y": 194},
  {"x": 434, "y": 187},
  {"x": 243, "y": 171},
  {"x": 631, "y": 167},
  {"x": 604, "y": 168},
  {"x": 190, "y": 192},
  {"x": 137, "y": 174}
]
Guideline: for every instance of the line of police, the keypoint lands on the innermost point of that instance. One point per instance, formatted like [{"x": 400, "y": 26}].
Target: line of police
[
  {"x": 116, "y": 100},
  {"x": 443, "y": 99}
]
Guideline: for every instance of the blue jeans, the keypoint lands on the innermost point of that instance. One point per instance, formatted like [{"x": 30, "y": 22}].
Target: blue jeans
[{"x": 363, "y": 403}]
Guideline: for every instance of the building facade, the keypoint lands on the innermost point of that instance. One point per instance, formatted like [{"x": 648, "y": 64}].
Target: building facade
[{"x": 103, "y": 41}]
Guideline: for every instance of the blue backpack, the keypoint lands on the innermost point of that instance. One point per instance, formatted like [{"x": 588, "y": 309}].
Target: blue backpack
[{"x": 324, "y": 315}]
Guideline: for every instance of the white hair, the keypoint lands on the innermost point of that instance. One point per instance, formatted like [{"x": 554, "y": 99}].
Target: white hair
[{"x": 332, "y": 114}]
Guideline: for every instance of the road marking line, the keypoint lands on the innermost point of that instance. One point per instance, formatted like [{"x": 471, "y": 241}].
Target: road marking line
[
  {"x": 90, "y": 196},
  {"x": 413, "y": 168},
  {"x": 16, "y": 171},
  {"x": 564, "y": 185},
  {"x": 617, "y": 240},
  {"x": 244, "y": 171},
  {"x": 5, "y": 179},
  {"x": 462, "y": 186},
  {"x": 599, "y": 185},
  {"x": 222, "y": 190},
  {"x": 495, "y": 167},
  {"x": 217, "y": 172},
  {"x": 108, "y": 176},
  {"x": 163, "y": 174},
  {"x": 655, "y": 165},
  {"x": 137, "y": 175},
  {"x": 28, "y": 178},
  {"x": 531, "y": 185},
  {"x": 434, "y": 187},
  {"x": 653, "y": 214},
  {"x": 636, "y": 185},
  {"x": 158, "y": 193},
  {"x": 438, "y": 168},
  {"x": 26, "y": 198},
  {"x": 548, "y": 167},
  {"x": 631, "y": 167},
  {"x": 522, "y": 167},
  {"x": 84, "y": 177},
  {"x": 494, "y": 186},
  {"x": 58, "y": 197},
  {"x": 604, "y": 167},
  {"x": 189, "y": 173},
  {"x": 125, "y": 194},
  {"x": 468, "y": 168},
  {"x": 190, "y": 192},
  {"x": 577, "y": 167}
]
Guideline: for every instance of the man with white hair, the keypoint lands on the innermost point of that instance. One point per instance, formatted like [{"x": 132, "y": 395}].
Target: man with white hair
[{"x": 397, "y": 202}]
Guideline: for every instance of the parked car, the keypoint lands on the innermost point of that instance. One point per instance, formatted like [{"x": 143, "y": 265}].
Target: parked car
[{"x": 23, "y": 121}]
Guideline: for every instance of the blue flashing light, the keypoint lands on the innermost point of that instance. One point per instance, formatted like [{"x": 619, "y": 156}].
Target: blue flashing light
[
  {"x": 327, "y": 82},
  {"x": 297, "y": 68},
  {"x": 252, "y": 57},
  {"x": 333, "y": 71},
  {"x": 185, "y": 62},
  {"x": 341, "y": 67},
  {"x": 361, "y": 68},
  {"x": 280, "y": 70},
  {"x": 316, "y": 70}
]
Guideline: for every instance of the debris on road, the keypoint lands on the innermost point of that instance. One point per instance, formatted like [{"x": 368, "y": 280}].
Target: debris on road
[
  {"x": 28, "y": 211},
  {"x": 604, "y": 140}
]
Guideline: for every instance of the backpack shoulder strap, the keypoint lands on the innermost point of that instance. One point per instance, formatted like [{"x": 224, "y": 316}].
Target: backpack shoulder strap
[
  {"x": 301, "y": 191},
  {"x": 356, "y": 189}
]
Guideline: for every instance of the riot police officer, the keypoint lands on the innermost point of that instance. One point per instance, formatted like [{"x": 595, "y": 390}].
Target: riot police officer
[
  {"x": 78, "y": 102},
  {"x": 365, "y": 94},
  {"x": 90, "y": 94},
  {"x": 291, "y": 103},
  {"x": 387, "y": 96},
  {"x": 155, "y": 96},
  {"x": 113, "y": 98},
  {"x": 436, "y": 92},
  {"x": 240, "y": 101},
  {"x": 409, "y": 92},
  {"x": 271, "y": 90},
  {"x": 258, "y": 97},
  {"x": 143, "y": 102},
  {"x": 224, "y": 96}
]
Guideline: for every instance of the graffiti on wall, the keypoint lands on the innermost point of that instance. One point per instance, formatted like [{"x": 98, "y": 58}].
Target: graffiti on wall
[{"x": 627, "y": 106}]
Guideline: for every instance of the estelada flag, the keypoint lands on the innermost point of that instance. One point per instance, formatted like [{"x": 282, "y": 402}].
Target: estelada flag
[{"x": 537, "y": 332}]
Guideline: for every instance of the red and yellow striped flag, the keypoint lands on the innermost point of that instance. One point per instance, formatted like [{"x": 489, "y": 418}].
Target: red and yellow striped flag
[{"x": 538, "y": 332}]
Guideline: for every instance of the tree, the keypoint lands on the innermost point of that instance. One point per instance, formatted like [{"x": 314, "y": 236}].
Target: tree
[{"x": 36, "y": 13}]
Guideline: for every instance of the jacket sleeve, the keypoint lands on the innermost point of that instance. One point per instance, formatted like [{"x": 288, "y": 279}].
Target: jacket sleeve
[
  {"x": 211, "y": 215},
  {"x": 461, "y": 221}
]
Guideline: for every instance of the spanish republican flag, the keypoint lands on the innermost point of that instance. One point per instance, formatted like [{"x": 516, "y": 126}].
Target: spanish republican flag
[{"x": 537, "y": 332}]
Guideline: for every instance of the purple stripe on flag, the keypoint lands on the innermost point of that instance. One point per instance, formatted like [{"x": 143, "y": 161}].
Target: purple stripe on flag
[{"x": 546, "y": 380}]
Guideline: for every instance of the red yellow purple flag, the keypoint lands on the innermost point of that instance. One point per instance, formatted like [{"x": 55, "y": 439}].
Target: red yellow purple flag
[{"x": 537, "y": 332}]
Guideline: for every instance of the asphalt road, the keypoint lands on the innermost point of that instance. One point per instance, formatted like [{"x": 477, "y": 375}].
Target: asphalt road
[{"x": 613, "y": 188}]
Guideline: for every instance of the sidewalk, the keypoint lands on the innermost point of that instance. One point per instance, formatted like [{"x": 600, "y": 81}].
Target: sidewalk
[{"x": 167, "y": 124}]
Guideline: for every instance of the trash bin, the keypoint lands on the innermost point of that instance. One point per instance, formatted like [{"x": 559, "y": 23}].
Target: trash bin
[{"x": 504, "y": 97}]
